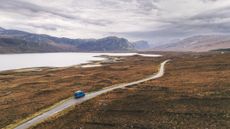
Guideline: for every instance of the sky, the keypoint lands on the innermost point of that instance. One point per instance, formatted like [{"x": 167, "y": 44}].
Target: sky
[{"x": 153, "y": 20}]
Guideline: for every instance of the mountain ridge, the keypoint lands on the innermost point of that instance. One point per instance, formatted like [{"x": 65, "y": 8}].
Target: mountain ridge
[
  {"x": 198, "y": 43},
  {"x": 26, "y": 42}
]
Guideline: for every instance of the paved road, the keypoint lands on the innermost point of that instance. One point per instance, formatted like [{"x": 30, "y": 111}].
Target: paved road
[{"x": 88, "y": 96}]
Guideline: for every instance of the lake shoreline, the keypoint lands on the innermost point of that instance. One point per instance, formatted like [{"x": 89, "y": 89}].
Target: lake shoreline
[
  {"x": 33, "y": 91},
  {"x": 107, "y": 59},
  {"x": 96, "y": 60}
]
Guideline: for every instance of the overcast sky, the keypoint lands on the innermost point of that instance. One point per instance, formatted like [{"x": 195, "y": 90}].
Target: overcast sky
[{"x": 152, "y": 20}]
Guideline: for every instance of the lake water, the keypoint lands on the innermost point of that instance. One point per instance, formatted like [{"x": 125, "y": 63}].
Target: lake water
[{"x": 18, "y": 61}]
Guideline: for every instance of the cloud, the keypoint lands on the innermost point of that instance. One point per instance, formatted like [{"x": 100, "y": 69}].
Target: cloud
[
  {"x": 213, "y": 21},
  {"x": 25, "y": 8},
  {"x": 33, "y": 10},
  {"x": 209, "y": 0},
  {"x": 152, "y": 20}
]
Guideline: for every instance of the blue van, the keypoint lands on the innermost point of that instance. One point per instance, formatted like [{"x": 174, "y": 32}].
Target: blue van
[{"x": 79, "y": 94}]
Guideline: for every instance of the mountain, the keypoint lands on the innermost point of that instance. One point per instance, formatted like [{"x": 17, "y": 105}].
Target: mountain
[
  {"x": 15, "y": 41},
  {"x": 223, "y": 50},
  {"x": 198, "y": 43},
  {"x": 107, "y": 44},
  {"x": 9, "y": 45},
  {"x": 141, "y": 45},
  {"x": 1, "y": 29}
]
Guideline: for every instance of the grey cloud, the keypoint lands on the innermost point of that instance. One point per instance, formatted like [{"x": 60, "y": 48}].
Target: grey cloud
[
  {"x": 209, "y": 0},
  {"x": 161, "y": 35},
  {"x": 215, "y": 21},
  {"x": 153, "y": 20},
  {"x": 33, "y": 10},
  {"x": 213, "y": 14},
  {"x": 147, "y": 5},
  {"x": 29, "y": 8},
  {"x": 178, "y": 30},
  {"x": 46, "y": 27}
]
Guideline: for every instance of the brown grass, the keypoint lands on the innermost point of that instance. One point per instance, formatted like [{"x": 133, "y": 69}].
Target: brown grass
[
  {"x": 194, "y": 93},
  {"x": 25, "y": 93}
]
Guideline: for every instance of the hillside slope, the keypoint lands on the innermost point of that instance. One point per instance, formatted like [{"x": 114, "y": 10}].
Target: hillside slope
[
  {"x": 14, "y": 41},
  {"x": 141, "y": 45},
  {"x": 198, "y": 43}
]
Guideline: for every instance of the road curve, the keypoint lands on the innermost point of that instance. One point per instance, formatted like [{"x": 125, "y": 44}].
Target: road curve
[{"x": 88, "y": 96}]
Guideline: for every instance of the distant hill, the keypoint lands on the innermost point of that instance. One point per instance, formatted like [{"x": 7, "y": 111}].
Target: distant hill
[
  {"x": 223, "y": 50},
  {"x": 141, "y": 45},
  {"x": 14, "y": 41},
  {"x": 10, "y": 45},
  {"x": 107, "y": 44},
  {"x": 198, "y": 43}
]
